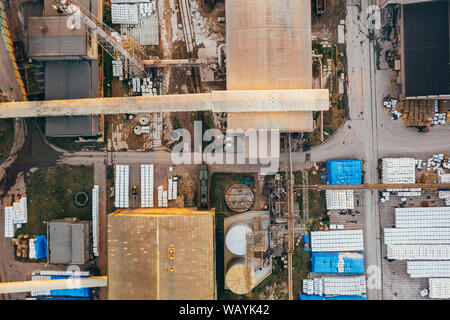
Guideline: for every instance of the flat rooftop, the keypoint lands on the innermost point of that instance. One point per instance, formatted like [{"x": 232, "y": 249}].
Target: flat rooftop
[
  {"x": 426, "y": 48},
  {"x": 140, "y": 245}
]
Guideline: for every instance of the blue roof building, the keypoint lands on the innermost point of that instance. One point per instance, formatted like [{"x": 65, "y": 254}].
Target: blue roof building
[
  {"x": 344, "y": 171},
  {"x": 327, "y": 262},
  {"x": 78, "y": 292}
]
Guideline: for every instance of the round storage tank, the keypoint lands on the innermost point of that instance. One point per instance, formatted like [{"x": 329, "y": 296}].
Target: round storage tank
[
  {"x": 235, "y": 239},
  {"x": 239, "y": 198},
  {"x": 240, "y": 278}
]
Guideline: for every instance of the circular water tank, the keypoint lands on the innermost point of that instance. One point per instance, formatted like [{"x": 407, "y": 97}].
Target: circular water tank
[
  {"x": 137, "y": 130},
  {"x": 144, "y": 121},
  {"x": 235, "y": 239},
  {"x": 175, "y": 135},
  {"x": 240, "y": 278},
  {"x": 239, "y": 198}
]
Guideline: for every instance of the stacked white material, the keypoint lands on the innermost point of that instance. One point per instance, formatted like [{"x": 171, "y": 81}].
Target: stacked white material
[
  {"x": 122, "y": 185},
  {"x": 136, "y": 84},
  {"x": 170, "y": 189},
  {"x": 32, "y": 250},
  {"x": 308, "y": 286},
  {"x": 124, "y": 14},
  {"x": 147, "y": 185},
  {"x": 416, "y": 236},
  {"x": 117, "y": 66},
  {"x": 147, "y": 87},
  {"x": 175, "y": 190},
  {"x": 160, "y": 196},
  {"x": 144, "y": 86},
  {"x": 40, "y": 293},
  {"x": 129, "y": 1},
  {"x": 345, "y": 285},
  {"x": 409, "y": 193},
  {"x": 146, "y": 32},
  {"x": 64, "y": 273},
  {"x": 333, "y": 286},
  {"x": 95, "y": 211},
  {"x": 403, "y": 190},
  {"x": 428, "y": 269},
  {"x": 164, "y": 199},
  {"x": 399, "y": 170},
  {"x": 337, "y": 241},
  {"x": 446, "y": 196},
  {"x": 418, "y": 252},
  {"x": 17, "y": 214},
  {"x": 314, "y": 286},
  {"x": 145, "y": 129},
  {"x": 147, "y": 9},
  {"x": 439, "y": 288},
  {"x": 339, "y": 199},
  {"x": 9, "y": 224},
  {"x": 436, "y": 161},
  {"x": 422, "y": 217},
  {"x": 444, "y": 178}
]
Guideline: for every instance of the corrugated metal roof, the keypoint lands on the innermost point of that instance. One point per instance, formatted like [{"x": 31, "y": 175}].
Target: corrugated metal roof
[
  {"x": 268, "y": 44},
  {"x": 71, "y": 79},
  {"x": 269, "y": 47},
  {"x": 57, "y": 40},
  {"x": 426, "y": 50},
  {"x": 76, "y": 126},
  {"x": 64, "y": 244},
  {"x": 77, "y": 243},
  {"x": 138, "y": 254},
  {"x": 59, "y": 242}
]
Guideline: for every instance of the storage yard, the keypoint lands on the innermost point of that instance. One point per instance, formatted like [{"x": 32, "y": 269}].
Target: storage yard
[{"x": 415, "y": 229}]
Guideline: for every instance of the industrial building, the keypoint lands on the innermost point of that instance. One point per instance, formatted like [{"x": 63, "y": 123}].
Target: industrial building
[
  {"x": 344, "y": 171},
  {"x": 70, "y": 63},
  {"x": 246, "y": 252},
  {"x": 161, "y": 254},
  {"x": 335, "y": 286},
  {"x": 421, "y": 237},
  {"x": 269, "y": 47},
  {"x": 337, "y": 241},
  {"x": 337, "y": 262},
  {"x": 68, "y": 241},
  {"x": 423, "y": 48}
]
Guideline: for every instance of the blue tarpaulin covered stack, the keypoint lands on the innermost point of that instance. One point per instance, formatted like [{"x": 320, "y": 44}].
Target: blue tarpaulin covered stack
[
  {"x": 328, "y": 262},
  {"x": 80, "y": 292},
  {"x": 62, "y": 298},
  {"x": 40, "y": 244},
  {"x": 344, "y": 171}
]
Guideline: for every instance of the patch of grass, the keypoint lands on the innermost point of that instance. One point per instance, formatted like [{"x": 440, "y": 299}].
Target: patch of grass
[
  {"x": 6, "y": 136},
  {"x": 107, "y": 73},
  {"x": 109, "y": 184},
  {"x": 301, "y": 264},
  {"x": 50, "y": 194},
  {"x": 317, "y": 203}
]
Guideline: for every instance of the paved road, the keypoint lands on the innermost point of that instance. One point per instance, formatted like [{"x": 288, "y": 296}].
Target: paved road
[{"x": 370, "y": 134}]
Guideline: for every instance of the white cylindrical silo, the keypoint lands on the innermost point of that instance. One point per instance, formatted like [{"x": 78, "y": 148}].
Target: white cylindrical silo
[{"x": 235, "y": 238}]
